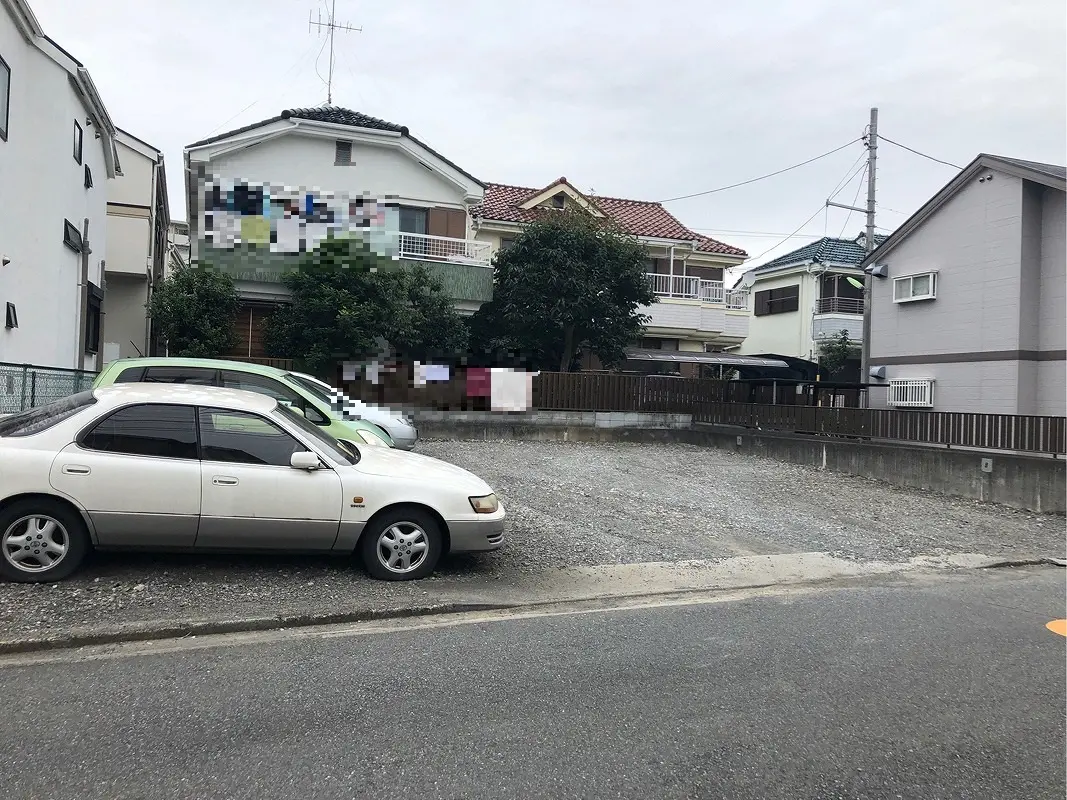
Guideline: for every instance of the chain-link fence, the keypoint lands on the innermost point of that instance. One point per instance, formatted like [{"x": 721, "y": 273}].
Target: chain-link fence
[{"x": 25, "y": 386}]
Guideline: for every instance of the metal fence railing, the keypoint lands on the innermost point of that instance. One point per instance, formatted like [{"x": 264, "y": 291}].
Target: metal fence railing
[{"x": 24, "y": 386}]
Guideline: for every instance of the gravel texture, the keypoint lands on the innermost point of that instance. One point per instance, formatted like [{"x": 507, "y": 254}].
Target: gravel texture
[{"x": 568, "y": 505}]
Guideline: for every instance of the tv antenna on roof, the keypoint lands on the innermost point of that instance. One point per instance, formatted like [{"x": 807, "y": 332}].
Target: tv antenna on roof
[{"x": 331, "y": 27}]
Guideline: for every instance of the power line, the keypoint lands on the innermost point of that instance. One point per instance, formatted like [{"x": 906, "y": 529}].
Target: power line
[
  {"x": 848, "y": 179},
  {"x": 273, "y": 93},
  {"x": 856, "y": 199},
  {"x": 748, "y": 233},
  {"x": 790, "y": 236},
  {"x": 911, "y": 150},
  {"x": 805, "y": 222},
  {"x": 761, "y": 177}
]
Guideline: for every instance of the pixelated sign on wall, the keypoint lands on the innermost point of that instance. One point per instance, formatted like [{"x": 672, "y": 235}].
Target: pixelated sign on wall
[{"x": 291, "y": 219}]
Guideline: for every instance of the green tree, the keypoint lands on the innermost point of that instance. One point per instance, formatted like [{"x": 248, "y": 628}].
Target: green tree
[
  {"x": 193, "y": 312},
  {"x": 835, "y": 352},
  {"x": 345, "y": 299},
  {"x": 569, "y": 284}
]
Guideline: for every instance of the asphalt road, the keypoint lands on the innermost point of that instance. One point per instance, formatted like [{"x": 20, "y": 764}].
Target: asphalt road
[{"x": 946, "y": 687}]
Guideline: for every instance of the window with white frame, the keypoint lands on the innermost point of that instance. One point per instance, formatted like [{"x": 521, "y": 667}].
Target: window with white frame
[
  {"x": 909, "y": 288},
  {"x": 911, "y": 393}
]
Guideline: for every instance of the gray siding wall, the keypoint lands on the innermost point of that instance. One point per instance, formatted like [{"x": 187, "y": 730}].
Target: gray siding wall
[
  {"x": 999, "y": 249},
  {"x": 974, "y": 242},
  {"x": 1053, "y": 295}
]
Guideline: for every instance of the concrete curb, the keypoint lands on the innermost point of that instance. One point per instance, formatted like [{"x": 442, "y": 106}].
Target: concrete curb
[
  {"x": 580, "y": 585},
  {"x": 153, "y": 630}
]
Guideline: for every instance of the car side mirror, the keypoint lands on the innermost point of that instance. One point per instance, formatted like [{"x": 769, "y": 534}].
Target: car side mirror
[{"x": 304, "y": 460}]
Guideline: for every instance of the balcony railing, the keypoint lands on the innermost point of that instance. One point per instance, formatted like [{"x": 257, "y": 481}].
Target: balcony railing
[
  {"x": 839, "y": 305},
  {"x": 737, "y": 299},
  {"x": 689, "y": 287},
  {"x": 422, "y": 247}
]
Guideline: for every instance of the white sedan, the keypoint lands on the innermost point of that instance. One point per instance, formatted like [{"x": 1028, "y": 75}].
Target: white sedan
[{"x": 202, "y": 469}]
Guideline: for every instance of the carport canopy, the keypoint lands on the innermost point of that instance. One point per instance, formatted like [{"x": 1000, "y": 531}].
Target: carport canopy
[{"x": 681, "y": 357}]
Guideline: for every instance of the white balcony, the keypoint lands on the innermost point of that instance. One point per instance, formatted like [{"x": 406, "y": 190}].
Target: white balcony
[
  {"x": 423, "y": 247},
  {"x": 688, "y": 287}
]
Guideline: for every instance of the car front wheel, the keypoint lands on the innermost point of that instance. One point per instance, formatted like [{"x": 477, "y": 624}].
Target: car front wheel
[
  {"x": 41, "y": 540},
  {"x": 402, "y": 545}
]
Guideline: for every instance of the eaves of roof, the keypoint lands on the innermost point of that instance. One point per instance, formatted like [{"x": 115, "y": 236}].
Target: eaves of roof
[{"x": 1053, "y": 176}]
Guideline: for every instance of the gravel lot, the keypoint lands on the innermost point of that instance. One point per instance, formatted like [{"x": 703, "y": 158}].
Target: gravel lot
[{"x": 568, "y": 504}]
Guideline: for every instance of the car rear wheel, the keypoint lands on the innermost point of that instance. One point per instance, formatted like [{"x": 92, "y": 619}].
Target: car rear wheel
[
  {"x": 402, "y": 545},
  {"x": 41, "y": 540}
]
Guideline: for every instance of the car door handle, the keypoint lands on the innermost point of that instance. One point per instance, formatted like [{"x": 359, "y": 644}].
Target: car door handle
[
  {"x": 224, "y": 480},
  {"x": 75, "y": 469}
]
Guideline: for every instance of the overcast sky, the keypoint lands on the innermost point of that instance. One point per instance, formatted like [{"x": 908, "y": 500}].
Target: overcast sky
[{"x": 638, "y": 99}]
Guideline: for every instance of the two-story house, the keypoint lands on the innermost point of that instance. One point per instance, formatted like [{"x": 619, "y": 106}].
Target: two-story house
[
  {"x": 57, "y": 152},
  {"x": 263, "y": 196},
  {"x": 693, "y": 311},
  {"x": 138, "y": 217},
  {"x": 969, "y": 295},
  {"x": 804, "y": 297}
]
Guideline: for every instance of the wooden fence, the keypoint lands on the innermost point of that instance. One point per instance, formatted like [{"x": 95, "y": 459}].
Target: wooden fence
[
  {"x": 1030, "y": 434},
  {"x": 810, "y": 411},
  {"x": 764, "y": 405}
]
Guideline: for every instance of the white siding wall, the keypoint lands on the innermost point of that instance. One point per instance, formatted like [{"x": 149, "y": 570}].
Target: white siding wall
[
  {"x": 134, "y": 186},
  {"x": 128, "y": 244},
  {"x": 41, "y": 185},
  {"x": 786, "y": 334},
  {"x": 308, "y": 162}
]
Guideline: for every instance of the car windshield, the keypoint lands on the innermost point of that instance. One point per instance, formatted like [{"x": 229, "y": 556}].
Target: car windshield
[
  {"x": 336, "y": 450},
  {"x": 44, "y": 417}
]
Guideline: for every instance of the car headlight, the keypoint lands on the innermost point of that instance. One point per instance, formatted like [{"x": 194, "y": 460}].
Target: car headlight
[
  {"x": 485, "y": 505},
  {"x": 371, "y": 439}
]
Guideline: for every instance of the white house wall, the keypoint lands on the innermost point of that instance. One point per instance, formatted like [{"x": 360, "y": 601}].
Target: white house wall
[
  {"x": 786, "y": 334},
  {"x": 134, "y": 186},
  {"x": 41, "y": 185},
  {"x": 308, "y": 162},
  {"x": 128, "y": 244}
]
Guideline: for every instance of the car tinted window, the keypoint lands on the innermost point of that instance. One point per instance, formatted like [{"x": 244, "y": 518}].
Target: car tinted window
[
  {"x": 241, "y": 438},
  {"x": 44, "y": 417},
  {"x": 131, "y": 375},
  {"x": 313, "y": 388},
  {"x": 285, "y": 395},
  {"x": 150, "y": 429},
  {"x": 329, "y": 445},
  {"x": 195, "y": 376}
]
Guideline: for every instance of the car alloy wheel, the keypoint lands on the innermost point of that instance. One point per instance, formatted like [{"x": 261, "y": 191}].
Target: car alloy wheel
[
  {"x": 35, "y": 543},
  {"x": 402, "y": 547}
]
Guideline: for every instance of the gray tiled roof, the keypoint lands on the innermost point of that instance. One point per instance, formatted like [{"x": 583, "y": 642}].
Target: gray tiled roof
[
  {"x": 824, "y": 250},
  {"x": 334, "y": 114}
]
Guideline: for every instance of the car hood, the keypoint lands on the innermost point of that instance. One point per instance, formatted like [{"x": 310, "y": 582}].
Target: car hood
[{"x": 402, "y": 464}]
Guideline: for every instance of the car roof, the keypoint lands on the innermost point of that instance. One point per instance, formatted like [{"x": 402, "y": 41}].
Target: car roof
[
  {"x": 205, "y": 363},
  {"x": 185, "y": 394}
]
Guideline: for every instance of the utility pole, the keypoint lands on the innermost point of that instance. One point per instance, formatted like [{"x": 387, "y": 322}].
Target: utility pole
[
  {"x": 868, "y": 281},
  {"x": 331, "y": 27},
  {"x": 871, "y": 141}
]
